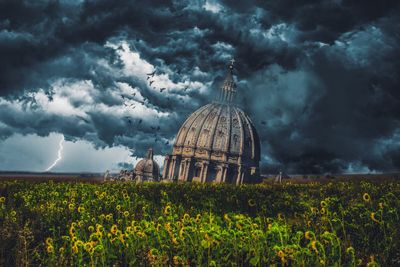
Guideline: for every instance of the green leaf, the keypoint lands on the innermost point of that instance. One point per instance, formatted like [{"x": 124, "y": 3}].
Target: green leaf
[
  {"x": 255, "y": 260},
  {"x": 205, "y": 244}
]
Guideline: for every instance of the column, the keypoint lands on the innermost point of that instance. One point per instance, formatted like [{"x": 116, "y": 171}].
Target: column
[
  {"x": 218, "y": 175},
  {"x": 201, "y": 172},
  {"x": 224, "y": 171},
  {"x": 166, "y": 168},
  {"x": 174, "y": 171},
  {"x": 187, "y": 169},
  {"x": 204, "y": 172},
  {"x": 172, "y": 168},
  {"x": 181, "y": 171},
  {"x": 169, "y": 169},
  {"x": 238, "y": 177}
]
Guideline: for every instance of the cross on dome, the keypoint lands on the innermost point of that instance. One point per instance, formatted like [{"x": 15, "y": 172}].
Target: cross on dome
[{"x": 232, "y": 62}]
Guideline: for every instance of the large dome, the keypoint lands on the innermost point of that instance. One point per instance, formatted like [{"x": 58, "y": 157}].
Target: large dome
[
  {"x": 217, "y": 143},
  {"x": 219, "y": 128},
  {"x": 147, "y": 169}
]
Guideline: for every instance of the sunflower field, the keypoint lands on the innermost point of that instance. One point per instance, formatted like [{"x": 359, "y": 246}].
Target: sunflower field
[{"x": 168, "y": 224}]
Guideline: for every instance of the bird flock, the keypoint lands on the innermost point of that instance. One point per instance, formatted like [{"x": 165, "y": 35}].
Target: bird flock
[
  {"x": 129, "y": 103},
  {"x": 150, "y": 76}
]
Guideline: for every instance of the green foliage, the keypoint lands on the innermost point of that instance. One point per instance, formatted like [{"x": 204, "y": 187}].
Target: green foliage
[{"x": 157, "y": 224}]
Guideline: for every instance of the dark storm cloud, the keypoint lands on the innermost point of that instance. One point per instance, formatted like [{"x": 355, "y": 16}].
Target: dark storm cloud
[{"x": 320, "y": 80}]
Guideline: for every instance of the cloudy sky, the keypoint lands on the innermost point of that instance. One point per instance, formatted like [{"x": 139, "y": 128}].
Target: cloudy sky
[{"x": 320, "y": 80}]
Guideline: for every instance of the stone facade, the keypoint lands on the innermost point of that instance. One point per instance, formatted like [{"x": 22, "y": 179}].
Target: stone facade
[{"x": 217, "y": 143}]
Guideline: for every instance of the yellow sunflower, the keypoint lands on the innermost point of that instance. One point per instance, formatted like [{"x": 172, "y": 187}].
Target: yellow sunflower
[
  {"x": 50, "y": 249},
  {"x": 251, "y": 202},
  {"x": 366, "y": 197},
  {"x": 114, "y": 229}
]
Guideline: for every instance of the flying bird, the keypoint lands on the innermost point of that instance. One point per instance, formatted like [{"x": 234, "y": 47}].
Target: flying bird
[
  {"x": 82, "y": 118},
  {"x": 151, "y": 74},
  {"x": 162, "y": 89},
  {"x": 151, "y": 82},
  {"x": 129, "y": 119}
]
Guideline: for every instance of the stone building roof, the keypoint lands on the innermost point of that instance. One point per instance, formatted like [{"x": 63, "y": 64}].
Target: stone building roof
[
  {"x": 148, "y": 167},
  {"x": 220, "y": 127},
  {"x": 217, "y": 143}
]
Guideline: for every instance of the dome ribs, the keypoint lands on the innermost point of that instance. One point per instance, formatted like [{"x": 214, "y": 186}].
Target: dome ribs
[
  {"x": 236, "y": 146},
  {"x": 222, "y": 133},
  {"x": 211, "y": 126},
  {"x": 249, "y": 134},
  {"x": 197, "y": 126},
  {"x": 181, "y": 137}
]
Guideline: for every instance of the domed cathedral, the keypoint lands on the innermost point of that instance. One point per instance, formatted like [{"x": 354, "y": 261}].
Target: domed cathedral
[
  {"x": 217, "y": 143},
  {"x": 147, "y": 170}
]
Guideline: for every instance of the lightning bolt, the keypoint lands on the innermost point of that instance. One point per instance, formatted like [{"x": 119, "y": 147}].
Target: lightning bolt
[{"x": 59, "y": 156}]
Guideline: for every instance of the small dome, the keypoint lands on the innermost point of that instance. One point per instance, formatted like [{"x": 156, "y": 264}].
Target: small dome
[
  {"x": 147, "y": 169},
  {"x": 223, "y": 128}
]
